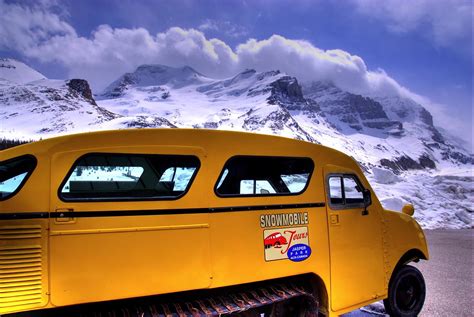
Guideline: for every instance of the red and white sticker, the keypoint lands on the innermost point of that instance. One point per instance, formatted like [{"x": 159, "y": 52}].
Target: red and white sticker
[{"x": 277, "y": 242}]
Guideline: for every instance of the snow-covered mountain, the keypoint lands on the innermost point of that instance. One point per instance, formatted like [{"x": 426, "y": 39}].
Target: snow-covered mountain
[
  {"x": 48, "y": 106},
  {"x": 18, "y": 72},
  {"x": 249, "y": 101},
  {"x": 155, "y": 75},
  {"x": 409, "y": 138},
  {"x": 406, "y": 157}
]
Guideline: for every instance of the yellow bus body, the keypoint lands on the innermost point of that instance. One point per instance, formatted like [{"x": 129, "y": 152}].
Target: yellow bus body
[{"x": 50, "y": 261}]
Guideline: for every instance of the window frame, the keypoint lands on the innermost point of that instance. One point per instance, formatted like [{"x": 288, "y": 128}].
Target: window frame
[
  {"x": 129, "y": 199},
  {"x": 29, "y": 173},
  {"x": 263, "y": 195},
  {"x": 344, "y": 205}
]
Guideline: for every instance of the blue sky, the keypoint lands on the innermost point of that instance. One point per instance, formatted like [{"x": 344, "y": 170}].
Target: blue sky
[{"x": 419, "y": 47}]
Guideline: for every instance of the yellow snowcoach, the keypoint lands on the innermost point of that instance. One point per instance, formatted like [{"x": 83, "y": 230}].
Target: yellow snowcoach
[{"x": 212, "y": 222}]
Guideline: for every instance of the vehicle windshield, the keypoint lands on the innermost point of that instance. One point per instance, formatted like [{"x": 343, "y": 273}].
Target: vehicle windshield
[{"x": 13, "y": 174}]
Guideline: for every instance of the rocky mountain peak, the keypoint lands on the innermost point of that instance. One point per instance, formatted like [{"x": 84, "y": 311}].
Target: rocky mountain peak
[
  {"x": 81, "y": 87},
  {"x": 147, "y": 69},
  {"x": 155, "y": 75},
  {"x": 287, "y": 87},
  {"x": 249, "y": 82},
  {"x": 249, "y": 71},
  {"x": 351, "y": 112}
]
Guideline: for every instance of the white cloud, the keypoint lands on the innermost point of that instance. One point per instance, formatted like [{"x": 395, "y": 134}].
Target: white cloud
[
  {"x": 307, "y": 62},
  {"x": 446, "y": 22},
  {"x": 109, "y": 52},
  {"x": 208, "y": 24},
  {"x": 22, "y": 27},
  {"x": 223, "y": 27}
]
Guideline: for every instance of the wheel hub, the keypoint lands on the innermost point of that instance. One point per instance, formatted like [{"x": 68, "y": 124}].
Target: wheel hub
[{"x": 407, "y": 293}]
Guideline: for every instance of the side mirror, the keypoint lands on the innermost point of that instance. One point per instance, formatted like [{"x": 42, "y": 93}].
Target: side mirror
[
  {"x": 367, "y": 201},
  {"x": 408, "y": 209}
]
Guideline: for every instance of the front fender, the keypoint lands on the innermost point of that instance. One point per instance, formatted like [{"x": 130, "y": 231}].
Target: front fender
[{"x": 405, "y": 240}]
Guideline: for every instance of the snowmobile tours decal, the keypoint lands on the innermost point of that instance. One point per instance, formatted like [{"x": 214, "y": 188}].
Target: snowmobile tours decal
[
  {"x": 286, "y": 243},
  {"x": 284, "y": 220}
]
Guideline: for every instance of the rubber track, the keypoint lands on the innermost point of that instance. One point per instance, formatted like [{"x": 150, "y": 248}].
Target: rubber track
[{"x": 233, "y": 303}]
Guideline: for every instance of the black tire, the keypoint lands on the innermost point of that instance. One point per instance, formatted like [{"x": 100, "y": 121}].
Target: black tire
[{"x": 406, "y": 292}]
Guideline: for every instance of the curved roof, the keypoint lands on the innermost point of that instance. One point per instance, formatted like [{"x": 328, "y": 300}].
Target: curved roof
[{"x": 135, "y": 137}]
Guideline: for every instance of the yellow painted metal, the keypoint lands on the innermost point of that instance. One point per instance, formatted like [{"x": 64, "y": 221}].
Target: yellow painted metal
[
  {"x": 117, "y": 230},
  {"x": 23, "y": 265},
  {"x": 148, "y": 254},
  {"x": 356, "y": 250},
  {"x": 408, "y": 209},
  {"x": 88, "y": 259}
]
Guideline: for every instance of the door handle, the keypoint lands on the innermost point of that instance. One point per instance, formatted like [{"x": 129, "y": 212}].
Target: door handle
[
  {"x": 334, "y": 219},
  {"x": 65, "y": 215},
  {"x": 365, "y": 212}
]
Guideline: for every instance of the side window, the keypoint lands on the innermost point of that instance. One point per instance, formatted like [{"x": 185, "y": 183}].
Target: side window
[
  {"x": 352, "y": 191},
  {"x": 335, "y": 190},
  {"x": 345, "y": 190},
  {"x": 264, "y": 175},
  {"x": 248, "y": 186},
  {"x": 180, "y": 176},
  {"x": 14, "y": 173},
  {"x": 129, "y": 177}
]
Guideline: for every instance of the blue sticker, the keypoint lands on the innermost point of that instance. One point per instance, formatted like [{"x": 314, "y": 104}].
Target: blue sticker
[{"x": 299, "y": 252}]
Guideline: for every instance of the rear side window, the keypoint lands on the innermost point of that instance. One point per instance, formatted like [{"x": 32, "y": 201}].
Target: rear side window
[
  {"x": 14, "y": 173},
  {"x": 129, "y": 177},
  {"x": 264, "y": 175},
  {"x": 345, "y": 190}
]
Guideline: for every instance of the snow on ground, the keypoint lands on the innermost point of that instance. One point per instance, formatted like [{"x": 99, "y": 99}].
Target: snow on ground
[
  {"x": 441, "y": 201},
  {"x": 384, "y": 176}
]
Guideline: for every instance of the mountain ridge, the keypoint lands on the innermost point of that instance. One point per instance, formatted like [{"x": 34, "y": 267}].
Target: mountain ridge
[{"x": 18, "y": 72}]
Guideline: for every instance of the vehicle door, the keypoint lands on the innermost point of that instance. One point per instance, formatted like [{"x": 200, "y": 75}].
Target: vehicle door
[
  {"x": 355, "y": 240},
  {"x": 121, "y": 223},
  {"x": 265, "y": 205}
]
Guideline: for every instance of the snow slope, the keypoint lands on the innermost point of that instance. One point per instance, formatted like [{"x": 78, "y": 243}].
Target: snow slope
[
  {"x": 406, "y": 158},
  {"x": 238, "y": 103},
  {"x": 47, "y": 107},
  {"x": 18, "y": 72}
]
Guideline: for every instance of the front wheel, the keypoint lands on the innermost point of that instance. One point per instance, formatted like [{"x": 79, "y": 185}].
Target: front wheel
[{"x": 406, "y": 292}]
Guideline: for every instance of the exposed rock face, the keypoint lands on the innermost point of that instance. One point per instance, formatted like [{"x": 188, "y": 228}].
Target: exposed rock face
[
  {"x": 141, "y": 122},
  {"x": 350, "y": 111},
  {"x": 81, "y": 87},
  {"x": 118, "y": 88},
  {"x": 426, "y": 162},
  {"x": 288, "y": 89},
  {"x": 50, "y": 106},
  {"x": 456, "y": 156},
  {"x": 277, "y": 120},
  {"x": 426, "y": 117},
  {"x": 405, "y": 163}
]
